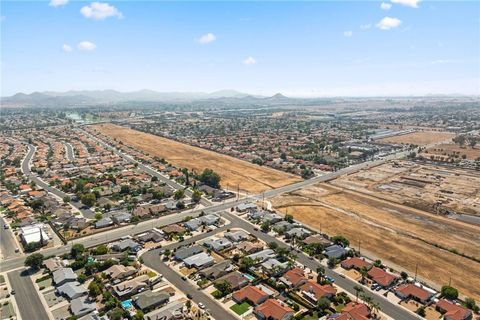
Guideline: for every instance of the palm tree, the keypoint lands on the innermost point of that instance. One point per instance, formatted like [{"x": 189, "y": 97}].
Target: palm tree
[
  {"x": 357, "y": 289},
  {"x": 320, "y": 273},
  {"x": 364, "y": 274}
]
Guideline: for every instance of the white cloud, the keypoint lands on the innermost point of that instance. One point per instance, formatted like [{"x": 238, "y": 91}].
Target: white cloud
[
  {"x": 388, "y": 23},
  {"x": 385, "y": 6},
  {"x": 100, "y": 11},
  {"x": 57, "y": 3},
  {"x": 67, "y": 48},
  {"x": 207, "y": 38},
  {"x": 348, "y": 33},
  {"x": 408, "y": 3},
  {"x": 249, "y": 61},
  {"x": 86, "y": 45},
  {"x": 366, "y": 26}
]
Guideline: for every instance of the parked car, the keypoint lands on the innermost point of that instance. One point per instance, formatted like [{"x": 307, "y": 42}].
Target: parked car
[
  {"x": 201, "y": 305},
  {"x": 189, "y": 296}
]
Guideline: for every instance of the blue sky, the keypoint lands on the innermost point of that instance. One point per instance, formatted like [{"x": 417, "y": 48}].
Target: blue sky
[{"x": 322, "y": 48}]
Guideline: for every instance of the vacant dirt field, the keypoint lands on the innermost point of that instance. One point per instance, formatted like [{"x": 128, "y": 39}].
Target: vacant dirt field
[
  {"x": 451, "y": 149},
  {"x": 400, "y": 235},
  {"x": 234, "y": 172},
  {"x": 420, "y": 138}
]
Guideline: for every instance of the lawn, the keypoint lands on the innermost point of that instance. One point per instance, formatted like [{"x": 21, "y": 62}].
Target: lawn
[
  {"x": 240, "y": 308},
  {"x": 340, "y": 307},
  {"x": 312, "y": 317}
]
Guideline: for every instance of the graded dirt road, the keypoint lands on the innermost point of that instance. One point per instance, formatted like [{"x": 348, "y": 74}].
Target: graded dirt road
[
  {"x": 397, "y": 234},
  {"x": 235, "y": 173}
]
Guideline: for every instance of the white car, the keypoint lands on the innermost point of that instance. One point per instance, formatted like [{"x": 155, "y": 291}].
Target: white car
[{"x": 201, "y": 305}]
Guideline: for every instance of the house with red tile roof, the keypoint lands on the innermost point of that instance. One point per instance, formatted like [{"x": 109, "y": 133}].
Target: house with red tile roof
[
  {"x": 381, "y": 276},
  {"x": 252, "y": 294},
  {"x": 315, "y": 291},
  {"x": 353, "y": 311},
  {"x": 273, "y": 309},
  {"x": 294, "y": 277},
  {"x": 406, "y": 291},
  {"x": 355, "y": 263},
  {"x": 452, "y": 311}
]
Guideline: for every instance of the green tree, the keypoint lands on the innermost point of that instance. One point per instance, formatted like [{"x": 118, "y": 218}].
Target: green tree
[
  {"x": 179, "y": 194},
  {"x": 196, "y": 196},
  {"x": 320, "y": 274},
  {"x": 404, "y": 275},
  {"x": 471, "y": 304},
  {"x": 323, "y": 303},
  {"x": 210, "y": 178},
  {"x": 246, "y": 263},
  {"x": 138, "y": 316},
  {"x": 358, "y": 290},
  {"x": 332, "y": 262},
  {"x": 77, "y": 250},
  {"x": 339, "y": 239},
  {"x": 101, "y": 249},
  {"x": 449, "y": 292},
  {"x": 289, "y": 218},
  {"x": 94, "y": 289},
  {"x": 66, "y": 199},
  {"x": 34, "y": 261},
  {"x": 88, "y": 199},
  {"x": 421, "y": 311}
]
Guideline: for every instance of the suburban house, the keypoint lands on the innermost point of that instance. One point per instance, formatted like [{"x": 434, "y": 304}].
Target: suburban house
[
  {"x": 335, "y": 251},
  {"x": 294, "y": 278},
  {"x": 130, "y": 287},
  {"x": 299, "y": 233},
  {"x": 274, "y": 267},
  {"x": 63, "y": 275},
  {"x": 353, "y": 311},
  {"x": 218, "y": 244},
  {"x": 72, "y": 290},
  {"x": 244, "y": 207},
  {"x": 173, "y": 310},
  {"x": 315, "y": 291},
  {"x": 217, "y": 270},
  {"x": 186, "y": 252},
  {"x": 127, "y": 244},
  {"x": 103, "y": 223},
  {"x": 173, "y": 229},
  {"x": 199, "y": 261},
  {"x": 407, "y": 291},
  {"x": 149, "y": 300},
  {"x": 452, "y": 311},
  {"x": 381, "y": 277},
  {"x": 263, "y": 255},
  {"x": 82, "y": 306},
  {"x": 355, "y": 263},
  {"x": 273, "y": 309},
  {"x": 252, "y": 294},
  {"x": 235, "y": 279},
  {"x": 119, "y": 272},
  {"x": 236, "y": 236}
]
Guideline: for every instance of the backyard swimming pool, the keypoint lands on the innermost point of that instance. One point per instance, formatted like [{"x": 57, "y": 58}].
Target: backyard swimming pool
[{"x": 127, "y": 304}]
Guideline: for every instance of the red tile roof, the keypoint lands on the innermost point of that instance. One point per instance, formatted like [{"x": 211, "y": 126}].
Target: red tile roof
[
  {"x": 295, "y": 276},
  {"x": 250, "y": 293},
  {"x": 453, "y": 311},
  {"x": 318, "y": 290},
  {"x": 381, "y": 277},
  {"x": 410, "y": 290},
  {"x": 355, "y": 262},
  {"x": 273, "y": 309}
]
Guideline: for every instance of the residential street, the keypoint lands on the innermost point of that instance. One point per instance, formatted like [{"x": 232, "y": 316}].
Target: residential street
[
  {"x": 7, "y": 242},
  {"x": 31, "y": 306}
]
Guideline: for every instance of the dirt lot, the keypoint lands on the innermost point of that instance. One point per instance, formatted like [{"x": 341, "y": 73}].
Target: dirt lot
[
  {"x": 250, "y": 177},
  {"x": 451, "y": 149},
  {"x": 420, "y": 138},
  {"x": 398, "y": 235},
  {"x": 432, "y": 188}
]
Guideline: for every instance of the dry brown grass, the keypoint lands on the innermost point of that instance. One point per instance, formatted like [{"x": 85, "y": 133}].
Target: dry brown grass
[
  {"x": 445, "y": 150},
  {"x": 400, "y": 235},
  {"x": 420, "y": 138},
  {"x": 234, "y": 172}
]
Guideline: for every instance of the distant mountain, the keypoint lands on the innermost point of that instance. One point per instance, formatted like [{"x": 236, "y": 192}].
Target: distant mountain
[{"x": 75, "y": 97}]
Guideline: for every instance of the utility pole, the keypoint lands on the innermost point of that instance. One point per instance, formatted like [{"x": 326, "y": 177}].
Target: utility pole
[
  {"x": 416, "y": 271},
  {"x": 359, "y": 246}
]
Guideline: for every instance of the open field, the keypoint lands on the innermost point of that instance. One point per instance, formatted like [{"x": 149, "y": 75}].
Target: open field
[
  {"x": 234, "y": 172},
  {"x": 399, "y": 235},
  {"x": 432, "y": 188},
  {"x": 420, "y": 138},
  {"x": 450, "y": 149}
]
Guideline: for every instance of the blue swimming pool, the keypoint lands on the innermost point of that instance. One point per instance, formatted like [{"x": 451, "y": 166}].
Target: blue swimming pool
[
  {"x": 127, "y": 304},
  {"x": 249, "y": 277}
]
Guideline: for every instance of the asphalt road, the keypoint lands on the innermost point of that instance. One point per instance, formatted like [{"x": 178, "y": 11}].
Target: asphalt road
[
  {"x": 7, "y": 242},
  {"x": 87, "y": 213},
  {"x": 26, "y": 294}
]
